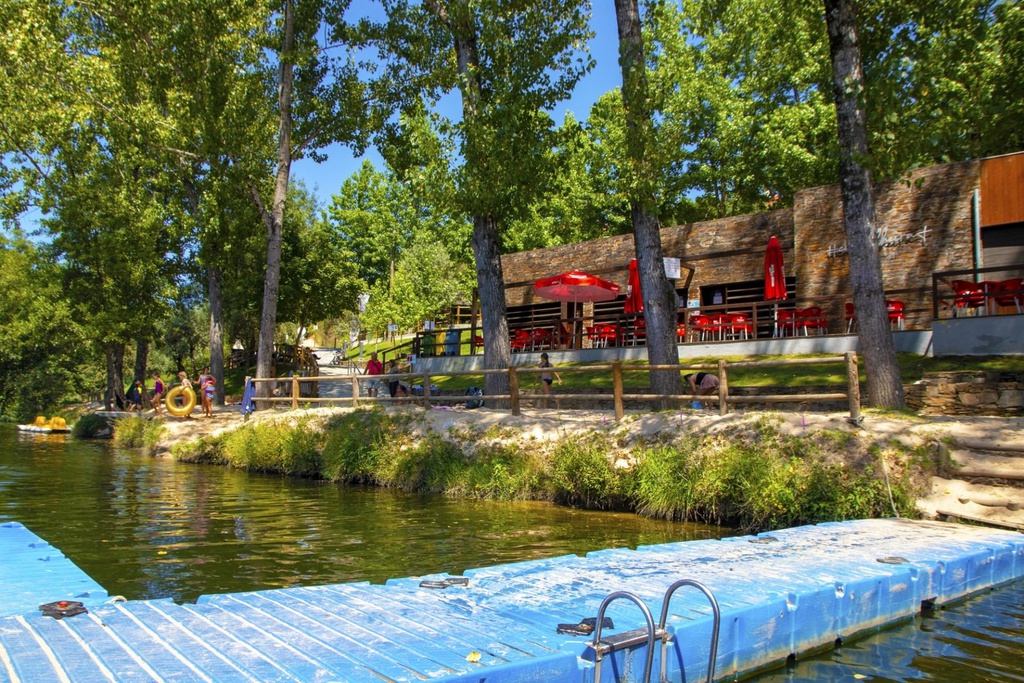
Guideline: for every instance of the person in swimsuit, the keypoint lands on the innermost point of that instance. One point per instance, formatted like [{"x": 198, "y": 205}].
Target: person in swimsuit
[
  {"x": 546, "y": 377},
  {"x": 158, "y": 392}
]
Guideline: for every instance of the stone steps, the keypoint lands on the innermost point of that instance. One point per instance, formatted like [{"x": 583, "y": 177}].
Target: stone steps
[{"x": 985, "y": 484}]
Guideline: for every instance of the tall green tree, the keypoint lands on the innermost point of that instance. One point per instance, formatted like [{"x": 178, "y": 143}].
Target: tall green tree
[
  {"x": 510, "y": 62},
  {"x": 41, "y": 352},
  {"x": 884, "y": 386},
  {"x": 318, "y": 273},
  {"x": 320, "y": 100},
  {"x": 660, "y": 307}
]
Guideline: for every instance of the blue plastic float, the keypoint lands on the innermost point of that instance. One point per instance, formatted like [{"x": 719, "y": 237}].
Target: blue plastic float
[{"x": 783, "y": 593}]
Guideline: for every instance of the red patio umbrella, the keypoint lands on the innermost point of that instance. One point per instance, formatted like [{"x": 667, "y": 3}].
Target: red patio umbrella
[
  {"x": 576, "y": 286},
  {"x": 635, "y": 297}
]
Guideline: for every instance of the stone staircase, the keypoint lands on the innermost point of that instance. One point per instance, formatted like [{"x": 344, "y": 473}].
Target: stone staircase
[{"x": 984, "y": 483}]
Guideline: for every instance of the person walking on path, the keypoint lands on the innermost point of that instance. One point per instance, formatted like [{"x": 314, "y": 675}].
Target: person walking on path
[
  {"x": 546, "y": 377},
  {"x": 134, "y": 397},
  {"x": 207, "y": 385},
  {"x": 373, "y": 367},
  {"x": 158, "y": 392}
]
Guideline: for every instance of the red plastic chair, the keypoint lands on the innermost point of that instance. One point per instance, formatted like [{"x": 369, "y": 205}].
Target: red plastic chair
[
  {"x": 740, "y": 326},
  {"x": 811, "y": 318},
  {"x": 608, "y": 335},
  {"x": 719, "y": 323},
  {"x": 785, "y": 323},
  {"x": 540, "y": 338},
  {"x": 681, "y": 333},
  {"x": 991, "y": 289},
  {"x": 1010, "y": 293},
  {"x": 521, "y": 340},
  {"x": 897, "y": 312},
  {"x": 968, "y": 295},
  {"x": 700, "y": 325},
  {"x": 478, "y": 342},
  {"x": 849, "y": 317}
]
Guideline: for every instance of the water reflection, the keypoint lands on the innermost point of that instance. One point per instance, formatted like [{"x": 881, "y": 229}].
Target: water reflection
[
  {"x": 975, "y": 640},
  {"x": 147, "y": 528}
]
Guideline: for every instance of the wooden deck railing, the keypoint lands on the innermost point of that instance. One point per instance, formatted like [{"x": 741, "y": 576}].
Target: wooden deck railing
[{"x": 850, "y": 393}]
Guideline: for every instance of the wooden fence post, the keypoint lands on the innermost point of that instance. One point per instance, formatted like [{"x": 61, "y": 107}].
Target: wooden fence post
[
  {"x": 853, "y": 385},
  {"x": 723, "y": 388},
  {"x": 513, "y": 389},
  {"x": 617, "y": 389},
  {"x": 355, "y": 390},
  {"x": 426, "y": 390},
  {"x": 295, "y": 392}
]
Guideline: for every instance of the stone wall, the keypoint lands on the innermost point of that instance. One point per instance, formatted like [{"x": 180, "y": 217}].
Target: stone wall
[
  {"x": 926, "y": 219},
  {"x": 968, "y": 393}
]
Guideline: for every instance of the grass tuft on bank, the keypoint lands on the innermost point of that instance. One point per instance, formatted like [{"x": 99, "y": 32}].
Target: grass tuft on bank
[{"x": 751, "y": 477}]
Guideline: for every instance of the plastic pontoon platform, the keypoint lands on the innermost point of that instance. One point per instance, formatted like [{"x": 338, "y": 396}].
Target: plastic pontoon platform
[
  {"x": 32, "y": 572},
  {"x": 781, "y": 593}
]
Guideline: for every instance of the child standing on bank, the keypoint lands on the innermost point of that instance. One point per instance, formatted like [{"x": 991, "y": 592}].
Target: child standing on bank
[{"x": 546, "y": 377}]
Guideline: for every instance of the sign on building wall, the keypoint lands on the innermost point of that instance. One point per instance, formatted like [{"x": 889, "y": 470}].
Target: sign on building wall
[
  {"x": 672, "y": 268},
  {"x": 888, "y": 244}
]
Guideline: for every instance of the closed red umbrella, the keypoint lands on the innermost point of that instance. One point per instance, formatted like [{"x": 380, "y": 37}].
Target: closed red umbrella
[
  {"x": 774, "y": 277},
  {"x": 635, "y": 297}
]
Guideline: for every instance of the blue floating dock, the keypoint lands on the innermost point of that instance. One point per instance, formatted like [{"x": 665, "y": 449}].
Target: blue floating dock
[
  {"x": 33, "y": 572},
  {"x": 786, "y": 592}
]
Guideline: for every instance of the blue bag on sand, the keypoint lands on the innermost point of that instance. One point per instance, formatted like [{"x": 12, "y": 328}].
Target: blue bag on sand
[
  {"x": 474, "y": 391},
  {"x": 697, "y": 405}
]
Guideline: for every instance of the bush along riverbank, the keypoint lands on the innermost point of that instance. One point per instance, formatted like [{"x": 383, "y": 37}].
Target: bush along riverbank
[{"x": 745, "y": 473}]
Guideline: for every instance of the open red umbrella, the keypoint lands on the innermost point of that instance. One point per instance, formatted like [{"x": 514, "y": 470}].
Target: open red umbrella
[
  {"x": 576, "y": 286},
  {"x": 774, "y": 277},
  {"x": 634, "y": 297}
]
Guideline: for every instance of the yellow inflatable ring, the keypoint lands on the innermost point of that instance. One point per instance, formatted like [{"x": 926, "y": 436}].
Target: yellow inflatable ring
[{"x": 190, "y": 401}]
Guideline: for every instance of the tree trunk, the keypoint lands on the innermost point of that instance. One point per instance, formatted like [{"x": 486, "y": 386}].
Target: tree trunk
[
  {"x": 884, "y": 388},
  {"x": 216, "y": 297},
  {"x": 491, "y": 285},
  {"x": 660, "y": 306},
  {"x": 490, "y": 281},
  {"x": 274, "y": 218},
  {"x": 114, "y": 397},
  {"x": 141, "y": 361}
]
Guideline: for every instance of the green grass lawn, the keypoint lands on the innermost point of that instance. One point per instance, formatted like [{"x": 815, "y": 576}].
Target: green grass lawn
[{"x": 912, "y": 368}]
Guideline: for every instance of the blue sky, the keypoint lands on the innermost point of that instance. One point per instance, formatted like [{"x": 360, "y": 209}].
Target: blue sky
[{"x": 325, "y": 179}]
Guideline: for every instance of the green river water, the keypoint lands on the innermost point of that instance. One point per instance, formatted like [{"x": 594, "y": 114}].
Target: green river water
[{"x": 149, "y": 527}]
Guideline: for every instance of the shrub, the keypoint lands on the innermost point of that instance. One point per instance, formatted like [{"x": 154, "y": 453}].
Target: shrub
[
  {"x": 89, "y": 426},
  {"x": 582, "y": 474},
  {"x": 357, "y": 443},
  {"x": 128, "y": 432}
]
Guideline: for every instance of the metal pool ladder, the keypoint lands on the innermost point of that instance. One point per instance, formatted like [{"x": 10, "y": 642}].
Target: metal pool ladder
[{"x": 651, "y": 633}]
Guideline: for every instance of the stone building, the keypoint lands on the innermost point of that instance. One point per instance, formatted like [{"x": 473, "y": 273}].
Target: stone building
[{"x": 951, "y": 217}]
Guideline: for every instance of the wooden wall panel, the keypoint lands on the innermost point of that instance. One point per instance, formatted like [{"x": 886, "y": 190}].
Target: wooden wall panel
[{"x": 1002, "y": 189}]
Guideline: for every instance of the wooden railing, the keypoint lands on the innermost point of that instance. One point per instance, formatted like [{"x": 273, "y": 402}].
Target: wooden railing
[{"x": 724, "y": 398}]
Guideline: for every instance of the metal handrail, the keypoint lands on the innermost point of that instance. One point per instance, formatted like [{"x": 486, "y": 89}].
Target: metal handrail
[
  {"x": 601, "y": 649},
  {"x": 716, "y": 623}
]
